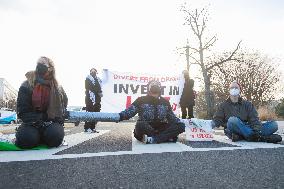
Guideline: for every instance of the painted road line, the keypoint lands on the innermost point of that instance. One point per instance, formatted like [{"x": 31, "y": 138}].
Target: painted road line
[
  {"x": 137, "y": 148},
  {"x": 140, "y": 147},
  {"x": 71, "y": 140},
  {"x": 71, "y": 156}
]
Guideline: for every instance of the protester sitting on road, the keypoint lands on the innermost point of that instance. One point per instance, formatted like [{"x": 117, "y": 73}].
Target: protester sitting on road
[
  {"x": 187, "y": 99},
  {"x": 93, "y": 92},
  {"x": 240, "y": 119},
  {"x": 157, "y": 122},
  {"x": 41, "y": 105}
]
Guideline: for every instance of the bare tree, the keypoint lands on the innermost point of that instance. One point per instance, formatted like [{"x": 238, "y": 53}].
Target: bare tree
[
  {"x": 2, "y": 103},
  {"x": 257, "y": 73},
  {"x": 12, "y": 104},
  {"x": 197, "y": 20}
]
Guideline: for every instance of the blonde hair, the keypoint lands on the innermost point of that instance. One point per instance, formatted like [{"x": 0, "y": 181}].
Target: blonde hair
[
  {"x": 49, "y": 63},
  {"x": 31, "y": 76}
]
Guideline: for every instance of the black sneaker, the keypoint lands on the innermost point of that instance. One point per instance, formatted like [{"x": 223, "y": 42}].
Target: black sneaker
[
  {"x": 254, "y": 137},
  {"x": 236, "y": 137},
  {"x": 274, "y": 138}
]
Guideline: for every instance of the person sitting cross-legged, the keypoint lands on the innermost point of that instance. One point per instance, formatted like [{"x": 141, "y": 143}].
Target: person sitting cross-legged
[
  {"x": 156, "y": 122},
  {"x": 240, "y": 119}
]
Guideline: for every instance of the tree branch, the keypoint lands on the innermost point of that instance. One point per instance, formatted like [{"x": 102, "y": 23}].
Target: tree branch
[
  {"x": 196, "y": 61},
  {"x": 210, "y": 43},
  {"x": 230, "y": 58},
  {"x": 203, "y": 26},
  {"x": 192, "y": 48}
]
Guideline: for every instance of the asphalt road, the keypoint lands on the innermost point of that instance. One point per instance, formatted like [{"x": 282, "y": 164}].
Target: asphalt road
[{"x": 238, "y": 168}]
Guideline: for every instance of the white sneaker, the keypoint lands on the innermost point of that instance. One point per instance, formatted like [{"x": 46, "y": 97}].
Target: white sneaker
[
  {"x": 148, "y": 140},
  {"x": 91, "y": 131}
]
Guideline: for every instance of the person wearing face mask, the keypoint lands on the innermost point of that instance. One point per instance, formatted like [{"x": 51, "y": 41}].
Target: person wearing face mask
[
  {"x": 156, "y": 122},
  {"x": 41, "y": 105},
  {"x": 240, "y": 119},
  {"x": 93, "y": 95}
]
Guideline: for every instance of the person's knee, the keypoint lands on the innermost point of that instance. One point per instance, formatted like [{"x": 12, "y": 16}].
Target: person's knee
[
  {"x": 181, "y": 127},
  {"x": 27, "y": 137},
  {"x": 232, "y": 121},
  {"x": 273, "y": 126},
  {"x": 138, "y": 136},
  {"x": 142, "y": 126},
  {"x": 53, "y": 135}
]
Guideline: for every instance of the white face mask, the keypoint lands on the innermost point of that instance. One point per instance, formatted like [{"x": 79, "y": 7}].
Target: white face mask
[{"x": 234, "y": 92}]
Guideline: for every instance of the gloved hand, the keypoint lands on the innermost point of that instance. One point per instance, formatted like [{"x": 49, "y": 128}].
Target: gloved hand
[
  {"x": 59, "y": 120},
  {"x": 256, "y": 134},
  {"x": 120, "y": 118},
  {"x": 38, "y": 124},
  {"x": 256, "y": 128},
  {"x": 66, "y": 115}
]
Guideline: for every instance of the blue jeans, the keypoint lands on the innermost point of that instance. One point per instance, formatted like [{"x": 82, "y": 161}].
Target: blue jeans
[{"x": 236, "y": 126}]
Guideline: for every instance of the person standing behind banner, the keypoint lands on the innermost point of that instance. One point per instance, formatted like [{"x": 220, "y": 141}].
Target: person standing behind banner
[
  {"x": 93, "y": 92},
  {"x": 187, "y": 99}
]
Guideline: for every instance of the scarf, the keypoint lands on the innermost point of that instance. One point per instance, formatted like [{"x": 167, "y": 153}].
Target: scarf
[
  {"x": 47, "y": 97},
  {"x": 40, "y": 97},
  {"x": 92, "y": 79}
]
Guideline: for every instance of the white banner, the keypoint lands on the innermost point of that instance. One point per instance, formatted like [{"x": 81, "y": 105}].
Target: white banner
[
  {"x": 198, "y": 129},
  {"x": 121, "y": 89}
]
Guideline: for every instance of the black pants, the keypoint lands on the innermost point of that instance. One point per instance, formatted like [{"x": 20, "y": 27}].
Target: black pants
[
  {"x": 92, "y": 108},
  {"x": 29, "y": 136},
  {"x": 186, "y": 112},
  {"x": 161, "y": 134}
]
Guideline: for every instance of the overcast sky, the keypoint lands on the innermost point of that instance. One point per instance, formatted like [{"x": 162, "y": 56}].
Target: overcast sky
[{"x": 124, "y": 35}]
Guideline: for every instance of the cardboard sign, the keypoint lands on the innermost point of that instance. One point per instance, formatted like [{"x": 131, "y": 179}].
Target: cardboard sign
[{"x": 198, "y": 130}]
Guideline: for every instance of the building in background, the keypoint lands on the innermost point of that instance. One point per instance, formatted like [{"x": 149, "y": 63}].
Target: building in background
[{"x": 8, "y": 95}]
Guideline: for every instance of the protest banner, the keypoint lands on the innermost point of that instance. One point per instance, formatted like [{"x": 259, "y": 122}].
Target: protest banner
[{"x": 121, "y": 89}]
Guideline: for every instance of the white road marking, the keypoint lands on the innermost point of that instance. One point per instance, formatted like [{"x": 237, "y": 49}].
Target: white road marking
[
  {"x": 140, "y": 147},
  {"x": 71, "y": 140},
  {"x": 137, "y": 148}
]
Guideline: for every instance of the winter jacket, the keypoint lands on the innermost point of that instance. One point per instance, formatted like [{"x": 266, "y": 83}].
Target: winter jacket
[
  {"x": 25, "y": 110},
  {"x": 187, "y": 96},
  {"x": 156, "y": 111},
  {"x": 242, "y": 109},
  {"x": 93, "y": 91}
]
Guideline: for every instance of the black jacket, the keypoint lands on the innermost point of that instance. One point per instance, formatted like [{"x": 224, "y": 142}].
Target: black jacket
[
  {"x": 156, "y": 111},
  {"x": 95, "y": 88},
  {"x": 243, "y": 109},
  {"x": 25, "y": 109},
  {"x": 187, "y": 96}
]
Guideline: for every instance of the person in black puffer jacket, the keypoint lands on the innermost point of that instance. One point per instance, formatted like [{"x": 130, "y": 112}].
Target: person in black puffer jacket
[
  {"x": 41, "y": 105},
  {"x": 157, "y": 122}
]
